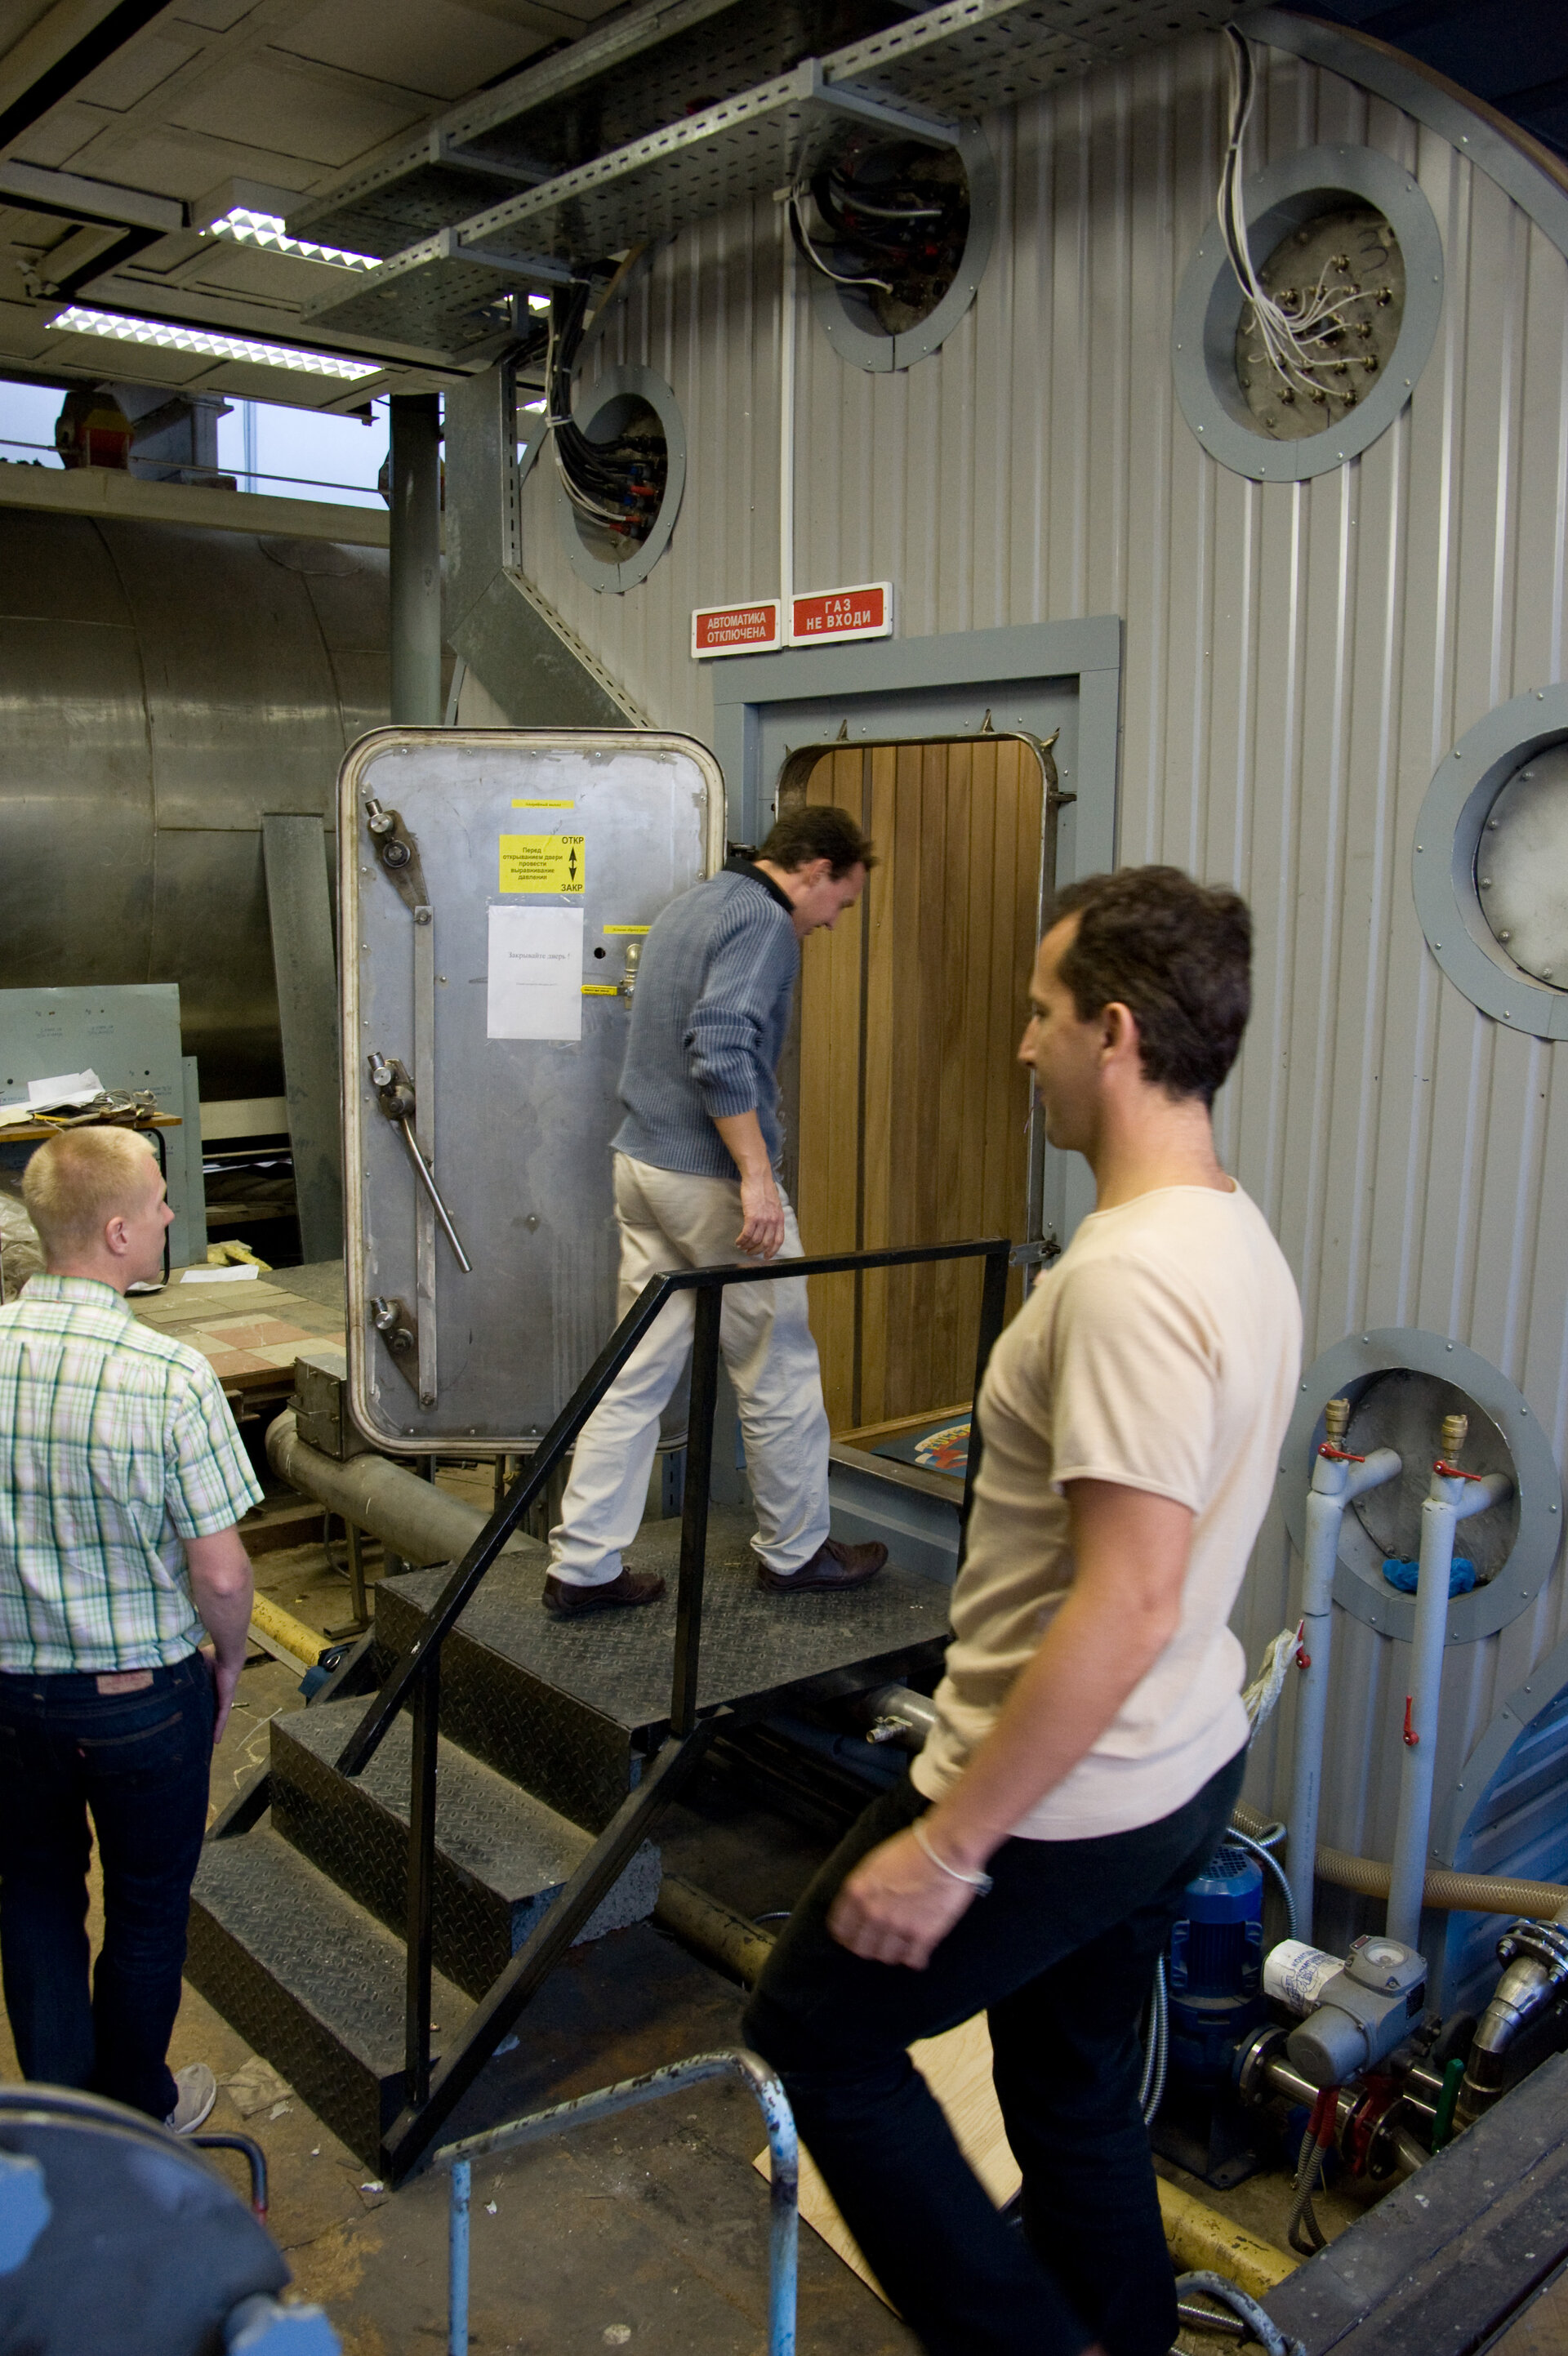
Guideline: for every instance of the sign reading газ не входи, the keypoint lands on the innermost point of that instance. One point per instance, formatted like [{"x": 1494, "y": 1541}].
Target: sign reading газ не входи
[{"x": 822, "y": 617}]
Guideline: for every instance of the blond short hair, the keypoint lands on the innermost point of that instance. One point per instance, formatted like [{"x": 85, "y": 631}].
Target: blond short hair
[{"x": 79, "y": 1181}]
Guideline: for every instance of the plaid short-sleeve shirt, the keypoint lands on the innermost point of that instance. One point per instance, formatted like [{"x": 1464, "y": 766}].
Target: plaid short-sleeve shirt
[{"x": 115, "y": 1444}]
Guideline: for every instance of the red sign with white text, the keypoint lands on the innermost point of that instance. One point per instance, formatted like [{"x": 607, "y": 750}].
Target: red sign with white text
[
  {"x": 865, "y": 611},
  {"x": 737, "y": 629}
]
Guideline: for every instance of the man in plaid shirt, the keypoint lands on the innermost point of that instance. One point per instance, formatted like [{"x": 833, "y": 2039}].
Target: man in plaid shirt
[{"x": 121, "y": 1478}]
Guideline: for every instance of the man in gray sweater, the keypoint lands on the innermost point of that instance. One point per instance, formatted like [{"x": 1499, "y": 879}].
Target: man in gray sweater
[{"x": 696, "y": 1183}]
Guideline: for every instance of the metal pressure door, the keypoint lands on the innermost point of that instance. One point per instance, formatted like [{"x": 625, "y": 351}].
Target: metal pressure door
[{"x": 496, "y": 888}]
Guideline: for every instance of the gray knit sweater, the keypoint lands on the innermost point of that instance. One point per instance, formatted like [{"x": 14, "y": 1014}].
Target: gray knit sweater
[{"x": 708, "y": 1022}]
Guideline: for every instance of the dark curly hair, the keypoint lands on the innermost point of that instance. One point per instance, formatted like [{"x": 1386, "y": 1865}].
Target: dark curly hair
[{"x": 1178, "y": 954}]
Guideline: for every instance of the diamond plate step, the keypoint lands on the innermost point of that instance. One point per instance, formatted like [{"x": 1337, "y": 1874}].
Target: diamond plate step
[
  {"x": 501, "y": 1855},
  {"x": 570, "y": 1709},
  {"x": 310, "y": 1980}
]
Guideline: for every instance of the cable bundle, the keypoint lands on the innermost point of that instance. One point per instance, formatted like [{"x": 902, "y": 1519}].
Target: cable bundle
[
  {"x": 1297, "y": 342},
  {"x": 898, "y": 220},
  {"x": 617, "y": 485}
]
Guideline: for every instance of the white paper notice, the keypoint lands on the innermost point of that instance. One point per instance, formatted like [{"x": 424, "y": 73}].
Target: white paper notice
[{"x": 535, "y": 974}]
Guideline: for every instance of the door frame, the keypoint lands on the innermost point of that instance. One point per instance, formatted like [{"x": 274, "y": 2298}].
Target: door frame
[{"x": 767, "y": 707}]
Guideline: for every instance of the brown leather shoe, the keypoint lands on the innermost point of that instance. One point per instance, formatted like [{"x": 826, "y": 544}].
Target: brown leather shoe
[
  {"x": 565, "y": 1601},
  {"x": 833, "y": 1565}
]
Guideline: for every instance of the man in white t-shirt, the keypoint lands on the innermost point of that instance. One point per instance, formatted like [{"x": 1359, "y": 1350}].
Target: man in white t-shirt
[{"x": 1091, "y": 1736}]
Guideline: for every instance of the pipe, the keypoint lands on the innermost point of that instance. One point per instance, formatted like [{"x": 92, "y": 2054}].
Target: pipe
[
  {"x": 1337, "y": 1479},
  {"x": 1199, "y": 2237},
  {"x": 1445, "y": 1891},
  {"x": 711, "y": 1930},
  {"x": 898, "y": 1714},
  {"x": 1451, "y": 1498},
  {"x": 1534, "y": 1976},
  {"x": 303, "y": 1645},
  {"x": 414, "y": 545},
  {"x": 417, "y": 1519}
]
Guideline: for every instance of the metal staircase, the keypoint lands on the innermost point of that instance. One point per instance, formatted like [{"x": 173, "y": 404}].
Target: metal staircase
[{"x": 375, "y": 1909}]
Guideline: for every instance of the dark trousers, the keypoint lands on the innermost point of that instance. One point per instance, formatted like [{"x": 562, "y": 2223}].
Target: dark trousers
[
  {"x": 1060, "y": 1956},
  {"x": 141, "y": 1762}
]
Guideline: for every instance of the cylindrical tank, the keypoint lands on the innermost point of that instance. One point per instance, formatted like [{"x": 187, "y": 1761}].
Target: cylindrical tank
[{"x": 164, "y": 687}]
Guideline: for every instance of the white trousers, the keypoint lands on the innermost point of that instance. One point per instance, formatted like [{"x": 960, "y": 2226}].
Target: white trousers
[{"x": 671, "y": 1220}]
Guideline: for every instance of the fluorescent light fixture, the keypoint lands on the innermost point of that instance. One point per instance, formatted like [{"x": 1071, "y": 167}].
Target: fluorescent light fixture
[
  {"x": 77, "y": 320},
  {"x": 534, "y": 408},
  {"x": 249, "y": 227},
  {"x": 538, "y": 301}
]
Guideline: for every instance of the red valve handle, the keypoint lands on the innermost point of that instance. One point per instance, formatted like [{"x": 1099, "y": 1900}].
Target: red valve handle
[
  {"x": 1339, "y": 1455},
  {"x": 1454, "y": 1472},
  {"x": 1411, "y": 1736}
]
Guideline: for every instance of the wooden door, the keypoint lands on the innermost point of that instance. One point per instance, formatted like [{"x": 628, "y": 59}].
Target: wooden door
[{"x": 914, "y": 1112}]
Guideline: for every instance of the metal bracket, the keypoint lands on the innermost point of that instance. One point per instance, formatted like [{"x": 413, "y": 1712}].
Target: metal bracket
[
  {"x": 843, "y": 97},
  {"x": 1042, "y": 1251},
  {"x": 398, "y": 852},
  {"x": 399, "y": 1329}
]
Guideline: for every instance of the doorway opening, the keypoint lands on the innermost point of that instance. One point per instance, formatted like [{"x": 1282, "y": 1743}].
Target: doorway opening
[{"x": 913, "y": 1121}]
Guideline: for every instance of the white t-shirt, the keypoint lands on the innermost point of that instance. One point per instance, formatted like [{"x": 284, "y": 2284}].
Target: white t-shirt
[{"x": 1160, "y": 1352}]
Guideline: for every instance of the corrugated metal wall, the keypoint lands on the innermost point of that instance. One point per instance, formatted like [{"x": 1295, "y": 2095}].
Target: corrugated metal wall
[{"x": 1298, "y": 658}]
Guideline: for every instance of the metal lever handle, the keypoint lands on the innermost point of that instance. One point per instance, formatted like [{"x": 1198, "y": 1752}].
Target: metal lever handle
[
  {"x": 429, "y": 1182},
  {"x": 395, "y": 1096}
]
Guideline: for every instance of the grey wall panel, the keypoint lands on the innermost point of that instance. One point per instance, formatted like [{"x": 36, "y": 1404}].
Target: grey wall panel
[{"x": 1299, "y": 659}]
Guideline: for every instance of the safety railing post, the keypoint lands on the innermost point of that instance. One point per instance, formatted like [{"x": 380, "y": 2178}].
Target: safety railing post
[
  {"x": 457, "y": 2260},
  {"x": 695, "y": 1510},
  {"x": 993, "y": 1310},
  {"x": 420, "y": 1892}
]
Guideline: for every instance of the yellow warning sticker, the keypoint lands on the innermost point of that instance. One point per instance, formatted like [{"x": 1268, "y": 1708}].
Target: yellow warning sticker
[
  {"x": 544, "y": 804},
  {"x": 626, "y": 928},
  {"x": 601, "y": 990},
  {"x": 541, "y": 862}
]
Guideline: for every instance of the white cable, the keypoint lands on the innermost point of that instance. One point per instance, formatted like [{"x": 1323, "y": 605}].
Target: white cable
[{"x": 1292, "y": 342}]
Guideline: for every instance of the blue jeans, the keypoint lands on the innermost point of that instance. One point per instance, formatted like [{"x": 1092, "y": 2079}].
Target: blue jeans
[
  {"x": 1060, "y": 1956},
  {"x": 141, "y": 1763}
]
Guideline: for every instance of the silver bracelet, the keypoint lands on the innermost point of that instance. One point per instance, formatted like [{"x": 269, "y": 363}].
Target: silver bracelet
[{"x": 978, "y": 1881}]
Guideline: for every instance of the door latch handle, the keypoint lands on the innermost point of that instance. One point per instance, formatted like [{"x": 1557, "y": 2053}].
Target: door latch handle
[{"x": 394, "y": 1094}]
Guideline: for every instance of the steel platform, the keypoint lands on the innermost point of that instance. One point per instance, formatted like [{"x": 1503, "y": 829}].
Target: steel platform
[{"x": 570, "y": 1709}]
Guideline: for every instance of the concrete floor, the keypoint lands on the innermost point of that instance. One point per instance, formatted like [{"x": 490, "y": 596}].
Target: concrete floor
[{"x": 648, "y": 2232}]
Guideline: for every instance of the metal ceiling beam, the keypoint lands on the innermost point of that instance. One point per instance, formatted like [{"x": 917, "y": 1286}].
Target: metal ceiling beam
[
  {"x": 37, "y": 73},
  {"x": 77, "y": 199}
]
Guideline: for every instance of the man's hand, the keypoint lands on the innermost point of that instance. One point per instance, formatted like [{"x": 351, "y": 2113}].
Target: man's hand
[
  {"x": 761, "y": 1209},
  {"x": 761, "y": 1217},
  {"x": 896, "y": 1906}
]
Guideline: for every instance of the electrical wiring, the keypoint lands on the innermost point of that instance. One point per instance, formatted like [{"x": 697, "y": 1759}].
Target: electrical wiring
[
  {"x": 893, "y": 222},
  {"x": 804, "y": 246},
  {"x": 1296, "y": 340},
  {"x": 615, "y": 484}
]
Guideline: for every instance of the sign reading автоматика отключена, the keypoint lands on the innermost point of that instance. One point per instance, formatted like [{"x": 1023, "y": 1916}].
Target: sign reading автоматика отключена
[{"x": 821, "y": 617}]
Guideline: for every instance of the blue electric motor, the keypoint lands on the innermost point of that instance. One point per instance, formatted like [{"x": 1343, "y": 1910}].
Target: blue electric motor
[{"x": 1217, "y": 1966}]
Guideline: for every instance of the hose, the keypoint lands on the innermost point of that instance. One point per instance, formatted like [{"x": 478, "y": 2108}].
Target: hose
[
  {"x": 1457, "y": 1893},
  {"x": 1261, "y": 2325},
  {"x": 1156, "y": 2057},
  {"x": 1267, "y": 1858},
  {"x": 1303, "y": 2232}
]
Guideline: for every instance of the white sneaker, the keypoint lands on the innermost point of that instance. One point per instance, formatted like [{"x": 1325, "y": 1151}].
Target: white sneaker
[{"x": 198, "y": 2092}]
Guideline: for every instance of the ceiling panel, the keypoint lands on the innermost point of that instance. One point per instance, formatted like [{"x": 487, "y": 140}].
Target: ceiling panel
[
  {"x": 134, "y": 71},
  {"x": 442, "y": 51},
  {"x": 213, "y": 16},
  {"x": 62, "y": 133},
  {"x": 325, "y": 120}
]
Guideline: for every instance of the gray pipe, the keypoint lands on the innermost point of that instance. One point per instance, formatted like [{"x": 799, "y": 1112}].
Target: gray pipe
[
  {"x": 418, "y": 1520},
  {"x": 415, "y": 552}
]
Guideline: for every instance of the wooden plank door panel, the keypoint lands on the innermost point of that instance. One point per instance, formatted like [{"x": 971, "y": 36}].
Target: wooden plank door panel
[{"x": 913, "y": 1108}]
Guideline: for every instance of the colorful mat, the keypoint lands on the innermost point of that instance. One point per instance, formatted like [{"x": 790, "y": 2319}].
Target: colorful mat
[{"x": 940, "y": 1447}]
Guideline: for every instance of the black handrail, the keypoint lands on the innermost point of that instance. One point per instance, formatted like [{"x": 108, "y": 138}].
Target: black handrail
[{"x": 415, "y": 1679}]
